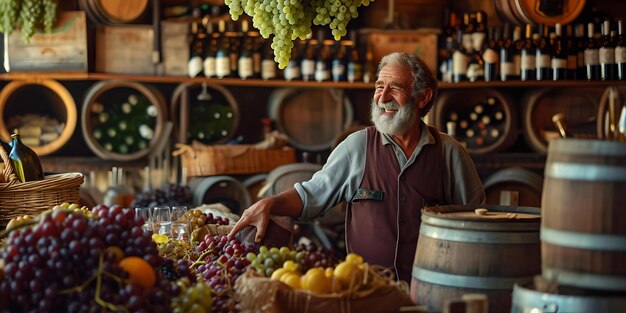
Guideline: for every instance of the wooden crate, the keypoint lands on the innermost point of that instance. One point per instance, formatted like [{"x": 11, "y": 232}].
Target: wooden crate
[
  {"x": 65, "y": 49},
  {"x": 175, "y": 47},
  {"x": 203, "y": 160},
  {"x": 125, "y": 49},
  {"x": 422, "y": 43}
]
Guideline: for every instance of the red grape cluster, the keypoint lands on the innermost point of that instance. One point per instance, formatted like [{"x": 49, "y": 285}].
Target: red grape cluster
[
  {"x": 225, "y": 262},
  {"x": 68, "y": 262},
  {"x": 214, "y": 219},
  {"x": 312, "y": 255}
]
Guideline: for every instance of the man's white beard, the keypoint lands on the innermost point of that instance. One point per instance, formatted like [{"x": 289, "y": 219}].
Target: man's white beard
[{"x": 398, "y": 124}]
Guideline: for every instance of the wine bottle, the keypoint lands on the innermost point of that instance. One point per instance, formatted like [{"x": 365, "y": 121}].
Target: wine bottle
[
  {"x": 222, "y": 56},
  {"x": 518, "y": 45},
  {"x": 543, "y": 53},
  {"x": 559, "y": 55},
  {"x": 322, "y": 61},
  {"x": 235, "y": 39},
  {"x": 368, "y": 65},
  {"x": 195, "y": 67},
  {"x": 507, "y": 51},
  {"x": 460, "y": 59},
  {"x": 620, "y": 51},
  {"x": 292, "y": 71},
  {"x": 257, "y": 53},
  {"x": 268, "y": 65},
  {"x": 245, "y": 64},
  {"x": 355, "y": 71},
  {"x": 308, "y": 60},
  {"x": 592, "y": 57},
  {"x": 339, "y": 61},
  {"x": 490, "y": 56},
  {"x": 607, "y": 53},
  {"x": 25, "y": 161},
  {"x": 580, "y": 41},
  {"x": 209, "y": 63},
  {"x": 528, "y": 64},
  {"x": 572, "y": 54}
]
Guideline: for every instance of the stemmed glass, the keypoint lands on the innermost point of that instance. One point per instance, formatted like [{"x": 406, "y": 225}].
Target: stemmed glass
[
  {"x": 146, "y": 214},
  {"x": 178, "y": 212},
  {"x": 162, "y": 217}
]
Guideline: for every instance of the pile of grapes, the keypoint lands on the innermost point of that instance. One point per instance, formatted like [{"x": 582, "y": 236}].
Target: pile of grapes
[
  {"x": 75, "y": 261},
  {"x": 27, "y": 15},
  {"x": 304, "y": 256},
  {"x": 221, "y": 263},
  {"x": 171, "y": 195},
  {"x": 291, "y": 19}
]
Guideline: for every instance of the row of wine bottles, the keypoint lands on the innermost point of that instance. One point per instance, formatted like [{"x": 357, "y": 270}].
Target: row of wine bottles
[
  {"x": 224, "y": 52},
  {"x": 475, "y": 52}
]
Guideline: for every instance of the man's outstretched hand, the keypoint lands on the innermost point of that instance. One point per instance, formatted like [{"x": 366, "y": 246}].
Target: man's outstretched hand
[{"x": 257, "y": 215}]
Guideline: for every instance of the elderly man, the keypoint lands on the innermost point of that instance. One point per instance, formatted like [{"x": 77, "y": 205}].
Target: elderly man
[{"x": 385, "y": 173}]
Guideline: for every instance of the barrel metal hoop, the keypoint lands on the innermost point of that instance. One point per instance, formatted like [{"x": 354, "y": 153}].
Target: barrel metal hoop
[
  {"x": 585, "y": 280},
  {"x": 584, "y": 171},
  {"x": 475, "y": 282},
  {"x": 586, "y": 241},
  {"x": 460, "y": 235}
]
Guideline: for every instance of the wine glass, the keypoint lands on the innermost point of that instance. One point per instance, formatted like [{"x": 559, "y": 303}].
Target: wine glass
[
  {"x": 178, "y": 212},
  {"x": 180, "y": 231},
  {"x": 146, "y": 214},
  {"x": 162, "y": 220}
]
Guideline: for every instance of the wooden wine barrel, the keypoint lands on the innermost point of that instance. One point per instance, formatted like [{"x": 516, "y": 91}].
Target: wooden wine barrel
[
  {"x": 255, "y": 184},
  {"x": 220, "y": 189},
  {"x": 44, "y": 98},
  {"x": 285, "y": 176},
  {"x": 539, "y": 11},
  {"x": 458, "y": 107},
  {"x": 113, "y": 95},
  {"x": 520, "y": 186},
  {"x": 204, "y": 107},
  {"x": 582, "y": 231},
  {"x": 311, "y": 118},
  {"x": 526, "y": 298},
  {"x": 619, "y": 99},
  {"x": 460, "y": 252},
  {"x": 578, "y": 105},
  {"x": 114, "y": 11}
]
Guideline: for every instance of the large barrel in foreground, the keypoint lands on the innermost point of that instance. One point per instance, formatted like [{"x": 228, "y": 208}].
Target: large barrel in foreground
[
  {"x": 583, "y": 237},
  {"x": 460, "y": 252}
]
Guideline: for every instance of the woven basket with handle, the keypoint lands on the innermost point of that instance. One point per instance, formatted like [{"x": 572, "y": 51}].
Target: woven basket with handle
[{"x": 33, "y": 197}]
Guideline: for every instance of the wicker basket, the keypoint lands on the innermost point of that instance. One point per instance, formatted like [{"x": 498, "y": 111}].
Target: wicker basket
[
  {"x": 31, "y": 198},
  {"x": 203, "y": 160}
]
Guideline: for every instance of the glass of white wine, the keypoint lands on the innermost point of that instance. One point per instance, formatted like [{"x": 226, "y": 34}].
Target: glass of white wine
[
  {"x": 146, "y": 214},
  {"x": 162, "y": 217}
]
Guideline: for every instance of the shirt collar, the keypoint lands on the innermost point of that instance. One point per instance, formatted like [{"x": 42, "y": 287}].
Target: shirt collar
[{"x": 425, "y": 138}]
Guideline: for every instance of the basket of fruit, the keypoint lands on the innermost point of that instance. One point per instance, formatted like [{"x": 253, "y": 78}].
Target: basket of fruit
[
  {"x": 32, "y": 197},
  {"x": 350, "y": 286}
]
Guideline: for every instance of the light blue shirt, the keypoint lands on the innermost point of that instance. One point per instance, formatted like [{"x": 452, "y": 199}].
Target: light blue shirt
[{"x": 341, "y": 176}]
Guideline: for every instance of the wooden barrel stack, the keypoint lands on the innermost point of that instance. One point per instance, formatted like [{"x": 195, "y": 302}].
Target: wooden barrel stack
[
  {"x": 583, "y": 238},
  {"x": 460, "y": 252}
]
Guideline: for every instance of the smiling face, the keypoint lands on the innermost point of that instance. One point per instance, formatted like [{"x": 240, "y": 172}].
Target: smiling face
[{"x": 394, "y": 108}]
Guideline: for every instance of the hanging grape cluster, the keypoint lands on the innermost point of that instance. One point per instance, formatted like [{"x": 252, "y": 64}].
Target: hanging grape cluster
[
  {"x": 27, "y": 15},
  {"x": 291, "y": 19}
]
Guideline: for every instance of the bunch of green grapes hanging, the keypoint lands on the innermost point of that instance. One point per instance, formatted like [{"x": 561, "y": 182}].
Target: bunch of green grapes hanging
[
  {"x": 291, "y": 19},
  {"x": 27, "y": 15}
]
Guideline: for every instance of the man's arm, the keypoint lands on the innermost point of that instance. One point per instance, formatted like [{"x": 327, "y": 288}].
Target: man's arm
[{"x": 286, "y": 203}]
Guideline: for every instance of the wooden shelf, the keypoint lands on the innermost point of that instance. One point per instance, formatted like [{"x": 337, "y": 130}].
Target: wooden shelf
[
  {"x": 529, "y": 160},
  {"x": 180, "y": 79},
  {"x": 534, "y": 83},
  {"x": 84, "y": 164}
]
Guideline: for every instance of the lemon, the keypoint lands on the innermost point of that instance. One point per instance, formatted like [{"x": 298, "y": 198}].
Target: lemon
[
  {"x": 279, "y": 273},
  {"x": 354, "y": 258},
  {"x": 317, "y": 282},
  {"x": 291, "y": 279},
  {"x": 347, "y": 272}
]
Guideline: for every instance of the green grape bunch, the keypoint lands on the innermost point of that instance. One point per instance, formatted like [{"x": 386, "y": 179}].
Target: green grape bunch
[
  {"x": 28, "y": 16},
  {"x": 288, "y": 20}
]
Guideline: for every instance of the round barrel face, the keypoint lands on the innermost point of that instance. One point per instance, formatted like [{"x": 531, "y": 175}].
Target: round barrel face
[{"x": 43, "y": 112}]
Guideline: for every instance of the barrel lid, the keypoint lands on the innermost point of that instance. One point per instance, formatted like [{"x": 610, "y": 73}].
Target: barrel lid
[{"x": 497, "y": 218}]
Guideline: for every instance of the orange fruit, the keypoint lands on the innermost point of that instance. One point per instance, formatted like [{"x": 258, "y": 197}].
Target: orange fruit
[{"x": 140, "y": 272}]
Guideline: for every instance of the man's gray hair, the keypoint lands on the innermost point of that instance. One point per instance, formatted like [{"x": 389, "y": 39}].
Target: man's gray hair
[{"x": 423, "y": 77}]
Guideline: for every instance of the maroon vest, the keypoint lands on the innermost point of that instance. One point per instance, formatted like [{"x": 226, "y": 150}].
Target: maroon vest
[{"x": 385, "y": 231}]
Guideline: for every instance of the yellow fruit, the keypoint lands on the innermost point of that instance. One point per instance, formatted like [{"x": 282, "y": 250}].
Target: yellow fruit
[
  {"x": 291, "y": 279},
  {"x": 317, "y": 282},
  {"x": 330, "y": 272},
  {"x": 348, "y": 273},
  {"x": 140, "y": 272},
  {"x": 354, "y": 258},
  {"x": 279, "y": 273},
  {"x": 290, "y": 265}
]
